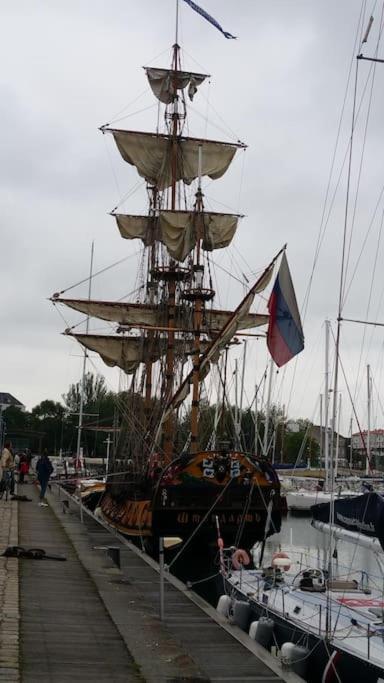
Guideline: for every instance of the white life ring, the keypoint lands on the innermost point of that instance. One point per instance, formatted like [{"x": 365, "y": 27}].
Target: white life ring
[{"x": 281, "y": 561}]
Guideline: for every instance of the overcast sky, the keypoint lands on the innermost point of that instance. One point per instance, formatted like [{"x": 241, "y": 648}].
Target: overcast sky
[{"x": 69, "y": 67}]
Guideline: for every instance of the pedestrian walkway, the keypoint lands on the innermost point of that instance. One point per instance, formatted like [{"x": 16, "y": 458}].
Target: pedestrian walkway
[
  {"x": 9, "y": 596},
  {"x": 66, "y": 633},
  {"x": 85, "y": 619}
]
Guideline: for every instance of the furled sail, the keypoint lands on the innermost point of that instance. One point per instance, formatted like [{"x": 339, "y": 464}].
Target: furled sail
[
  {"x": 177, "y": 230},
  {"x": 128, "y": 352},
  {"x": 139, "y": 315},
  {"x": 151, "y": 154},
  {"x": 225, "y": 335},
  {"x": 362, "y": 514},
  {"x": 166, "y": 82}
]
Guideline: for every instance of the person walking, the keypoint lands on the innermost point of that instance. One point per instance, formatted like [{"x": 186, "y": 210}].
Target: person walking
[
  {"x": 7, "y": 465},
  {"x": 44, "y": 470}
]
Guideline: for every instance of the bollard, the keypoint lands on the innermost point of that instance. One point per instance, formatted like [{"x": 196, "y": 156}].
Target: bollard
[{"x": 114, "y": 553}]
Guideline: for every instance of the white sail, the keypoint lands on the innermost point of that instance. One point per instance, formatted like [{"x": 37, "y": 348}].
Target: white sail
[
  {"x": 177, "y": 230},
  {"x": 352, "y": 536},
  {"x": 137, "y": 227},
  {"x": 139, "y": 315},
  {"x": 124, "y": 352},
  {"x": 152, "y": 156},
  {"x": 165, "y": 83},
  {"x": 128, "y": 352}
]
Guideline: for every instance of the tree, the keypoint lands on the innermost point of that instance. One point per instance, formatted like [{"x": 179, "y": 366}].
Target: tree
[
  {"x": 94, "y": 391},
  {"x": 48, "y": 409},
  {"x": 16, "y": 419},
  {"x": 298, "y": 446},
  {"x": 48, "y": 417}
]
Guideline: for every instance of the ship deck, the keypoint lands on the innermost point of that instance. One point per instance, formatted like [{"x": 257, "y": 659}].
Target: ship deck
[{"x": 86, "y": 619}]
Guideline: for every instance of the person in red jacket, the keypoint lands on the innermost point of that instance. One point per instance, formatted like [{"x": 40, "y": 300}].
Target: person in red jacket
[{"x": 23, "y": 467}]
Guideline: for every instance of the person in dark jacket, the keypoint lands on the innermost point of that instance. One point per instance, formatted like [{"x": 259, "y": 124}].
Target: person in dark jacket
[{"x": 44, "y": 470}]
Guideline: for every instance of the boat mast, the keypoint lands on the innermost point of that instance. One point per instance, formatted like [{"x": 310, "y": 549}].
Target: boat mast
[
  {"x": 150, "y": 335},
  {"x": 368, "y": 449},
  {"x": 81, "y": 408},
  {"x": 321, "y": 430},
  {"x": 169, "y": 426},
  {"x": 267, "y": 411},
  {"x": 196, "y": 292},
  {"x": 326, "y": 408},
  {"x": 338, "y": 438}
]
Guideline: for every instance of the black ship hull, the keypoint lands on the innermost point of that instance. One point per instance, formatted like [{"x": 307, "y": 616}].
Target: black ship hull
[{"x": 196, "y": 500}]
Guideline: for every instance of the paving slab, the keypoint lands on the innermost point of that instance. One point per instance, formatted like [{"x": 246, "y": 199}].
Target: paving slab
[
  {"x": 66, "y": 633},
  {"x": 191, "y": 632},
  {"x": 9, "y": 594}
]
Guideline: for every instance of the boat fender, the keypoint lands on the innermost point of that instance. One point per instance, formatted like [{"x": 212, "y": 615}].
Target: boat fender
[
  {"x": 253, "y": 629},
  {"x": 281, "y": 561},
  {"x": 241, "y": 614},
  {"x": 295, "y": 658},
  {"x": 224, "y": 606},
  {"x": 264, "y": 632},
  {"x": 240, "y": 558}
]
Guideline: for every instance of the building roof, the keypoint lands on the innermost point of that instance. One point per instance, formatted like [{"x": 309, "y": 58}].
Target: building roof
[
  {"x": 372, "y": 431},
  {"x": 8, "y": 399}
]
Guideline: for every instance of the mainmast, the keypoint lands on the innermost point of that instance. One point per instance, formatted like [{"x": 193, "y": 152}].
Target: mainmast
[
  {"x": 199, "y": 295},
  {"x": 169, "y": 427},
  {"x": 151, "y": 284}
]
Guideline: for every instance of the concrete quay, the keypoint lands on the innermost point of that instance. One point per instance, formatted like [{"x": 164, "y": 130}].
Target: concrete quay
[{"x": 85, "y": 619}]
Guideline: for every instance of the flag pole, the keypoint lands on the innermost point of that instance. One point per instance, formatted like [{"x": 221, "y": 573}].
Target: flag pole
[{"x": 177, "y": 23}]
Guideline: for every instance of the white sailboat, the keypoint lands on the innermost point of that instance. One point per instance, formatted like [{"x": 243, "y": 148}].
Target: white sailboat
[{"x": 302, "y": 499}]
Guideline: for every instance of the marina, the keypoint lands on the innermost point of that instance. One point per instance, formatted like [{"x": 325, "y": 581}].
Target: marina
[
  {"x": 206, "y": 501},
  {"x": 110, "y": 612}
]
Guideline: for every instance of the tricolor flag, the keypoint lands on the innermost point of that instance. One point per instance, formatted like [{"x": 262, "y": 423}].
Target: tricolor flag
[
  {"x": 285, "y": 336},
  {"x": 208, "y": 17}
]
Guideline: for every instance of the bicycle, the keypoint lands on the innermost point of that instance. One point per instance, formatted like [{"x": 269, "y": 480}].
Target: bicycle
[{"x": 6, "y": 482}]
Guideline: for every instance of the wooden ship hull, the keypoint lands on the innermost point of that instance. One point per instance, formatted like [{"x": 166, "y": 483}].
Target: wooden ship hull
[{"x": 241, "y": 492}]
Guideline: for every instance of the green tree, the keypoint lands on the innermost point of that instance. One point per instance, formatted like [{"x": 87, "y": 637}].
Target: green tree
[
  {"x": 48, "y": 409},
  {"x": 48, "y": 417},
  {"x": 16, "y": 419},
  {"x": 298, "y": 447},
  {"x": 94, "y": 391}
]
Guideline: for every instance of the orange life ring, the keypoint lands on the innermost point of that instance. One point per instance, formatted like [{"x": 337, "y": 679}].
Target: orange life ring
[
  {"x": 240, "y": 558},
  {"x": 278, "y": 561}
]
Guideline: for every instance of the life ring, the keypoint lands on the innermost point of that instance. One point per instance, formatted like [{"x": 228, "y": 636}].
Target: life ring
[
  {"x": 240, "y": 558},
  {"x": 281, "y": 561}
]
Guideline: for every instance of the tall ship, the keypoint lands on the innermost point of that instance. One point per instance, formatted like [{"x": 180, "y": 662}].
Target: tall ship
[{"x": 165, "y": 479}]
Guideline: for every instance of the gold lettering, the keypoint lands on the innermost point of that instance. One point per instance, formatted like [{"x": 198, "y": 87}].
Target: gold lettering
[{"x": 183, "y": 517}]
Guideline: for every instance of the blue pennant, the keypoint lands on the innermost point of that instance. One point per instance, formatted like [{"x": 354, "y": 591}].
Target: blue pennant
[{"x": 208, "y": 17}]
